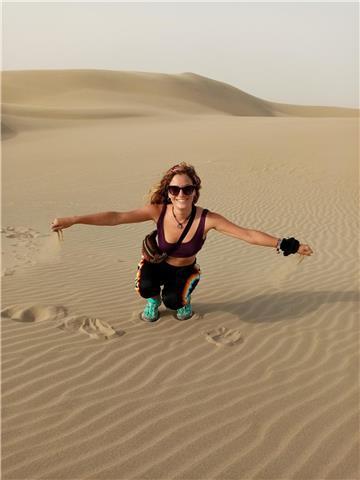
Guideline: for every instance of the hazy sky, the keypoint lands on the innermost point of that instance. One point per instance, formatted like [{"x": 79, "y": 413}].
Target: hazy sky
[{"x": 302, "y": 53}]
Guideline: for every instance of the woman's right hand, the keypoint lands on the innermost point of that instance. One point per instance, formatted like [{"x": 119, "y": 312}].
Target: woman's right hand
[{"x": 61, "y": 223}]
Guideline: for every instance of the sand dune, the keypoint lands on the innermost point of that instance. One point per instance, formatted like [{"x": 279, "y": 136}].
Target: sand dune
[
  {"x": 38, "y": 99},
  {"x": 263, "y": 381},
  {"x": 82, "y": 93}
]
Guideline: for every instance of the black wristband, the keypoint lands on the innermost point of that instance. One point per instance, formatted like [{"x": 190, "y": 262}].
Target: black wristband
[{"x": 289, "y": 246}]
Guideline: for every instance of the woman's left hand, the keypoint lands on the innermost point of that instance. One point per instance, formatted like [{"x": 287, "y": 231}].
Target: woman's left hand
[{"x": 304, "y": 250}]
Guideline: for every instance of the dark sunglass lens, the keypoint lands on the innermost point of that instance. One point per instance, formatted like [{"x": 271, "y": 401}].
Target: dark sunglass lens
[
  {"x": 188, "y": 190},
  {"x": 174, "y": 190}
]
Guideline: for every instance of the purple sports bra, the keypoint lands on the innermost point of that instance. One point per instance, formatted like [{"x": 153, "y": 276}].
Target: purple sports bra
[{"x": 185, "y": 249}]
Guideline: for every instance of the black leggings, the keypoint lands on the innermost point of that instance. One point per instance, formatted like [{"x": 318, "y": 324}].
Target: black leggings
[{"x": 178, "y": 282}]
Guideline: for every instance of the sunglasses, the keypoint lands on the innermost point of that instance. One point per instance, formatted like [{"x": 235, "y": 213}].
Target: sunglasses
[{"x": 175, "y": 190}]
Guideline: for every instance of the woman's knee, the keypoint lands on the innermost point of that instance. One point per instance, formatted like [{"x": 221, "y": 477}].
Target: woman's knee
[
  {"x": 147, "y": 289},
  {"x": 145, "y": 283},
  {"x": 172, "y": 300},
  {"x": 176, "y": 297}
]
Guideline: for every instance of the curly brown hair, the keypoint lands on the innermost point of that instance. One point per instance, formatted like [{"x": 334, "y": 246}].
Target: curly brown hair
[{"x": 159, "y": 192}]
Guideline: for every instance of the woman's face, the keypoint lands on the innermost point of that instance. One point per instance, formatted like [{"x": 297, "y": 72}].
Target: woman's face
[{"x": 181, "y": 201}]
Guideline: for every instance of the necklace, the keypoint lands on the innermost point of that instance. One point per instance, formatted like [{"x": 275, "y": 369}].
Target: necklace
[{"x": 180, "y": 224}]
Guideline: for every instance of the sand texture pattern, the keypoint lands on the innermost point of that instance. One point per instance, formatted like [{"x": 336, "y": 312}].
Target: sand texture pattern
[{"x": 263, "y": 381}]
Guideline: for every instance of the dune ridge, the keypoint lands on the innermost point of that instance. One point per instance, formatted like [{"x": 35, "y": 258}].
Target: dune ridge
[{"x": 82, "y": 93}]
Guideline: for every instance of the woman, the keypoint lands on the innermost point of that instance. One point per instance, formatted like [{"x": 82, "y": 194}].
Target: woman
[{"x": 171, "y": 204}]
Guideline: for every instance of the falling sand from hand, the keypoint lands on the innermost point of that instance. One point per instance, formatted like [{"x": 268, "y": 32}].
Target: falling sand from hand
[
  {"x": 284, "y": 271},
  {"x": 50, "y": 250}
]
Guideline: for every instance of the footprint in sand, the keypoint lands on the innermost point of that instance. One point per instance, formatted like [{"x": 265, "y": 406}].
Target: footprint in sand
[
  {"x": 20, "y": 233},
  {"x": 27, "y": 247},
  {"x": 93, "y": 327},
  {"x": 223, "y": 336},
  {"x": 7, "y": 272},
  {"x": 33, "y": 313}
]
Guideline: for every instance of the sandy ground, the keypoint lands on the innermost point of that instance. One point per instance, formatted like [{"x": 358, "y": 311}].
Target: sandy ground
[{"x": 262, "y": 383}]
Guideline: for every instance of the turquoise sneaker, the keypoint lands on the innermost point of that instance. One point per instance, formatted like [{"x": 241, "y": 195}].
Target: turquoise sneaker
[
  {"x": 151, "y": 310},
  {"x": 184, "y": 313}
]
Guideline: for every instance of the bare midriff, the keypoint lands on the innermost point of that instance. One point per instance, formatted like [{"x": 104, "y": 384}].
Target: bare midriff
[{"x": 180, "y": 262}]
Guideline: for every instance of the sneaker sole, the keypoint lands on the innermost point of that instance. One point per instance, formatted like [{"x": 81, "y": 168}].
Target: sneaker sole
[
  {"x": 184, "y": 319},
  {"x": 147, "y": 320}
]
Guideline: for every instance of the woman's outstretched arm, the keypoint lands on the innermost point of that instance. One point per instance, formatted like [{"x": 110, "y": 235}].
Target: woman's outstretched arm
[
  {"x": 255, "y": 237},
  {"x": 148, "y": 212}
]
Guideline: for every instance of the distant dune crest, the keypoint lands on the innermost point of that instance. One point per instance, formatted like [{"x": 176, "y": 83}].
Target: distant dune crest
[{"x": 63, "y": 94}]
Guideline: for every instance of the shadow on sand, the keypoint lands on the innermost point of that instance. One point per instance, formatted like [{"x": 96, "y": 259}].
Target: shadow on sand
[{"x": 278, "y": 306}]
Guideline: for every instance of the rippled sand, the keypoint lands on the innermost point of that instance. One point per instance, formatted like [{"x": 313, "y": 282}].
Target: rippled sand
[{"x": 262, "y": 383}]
